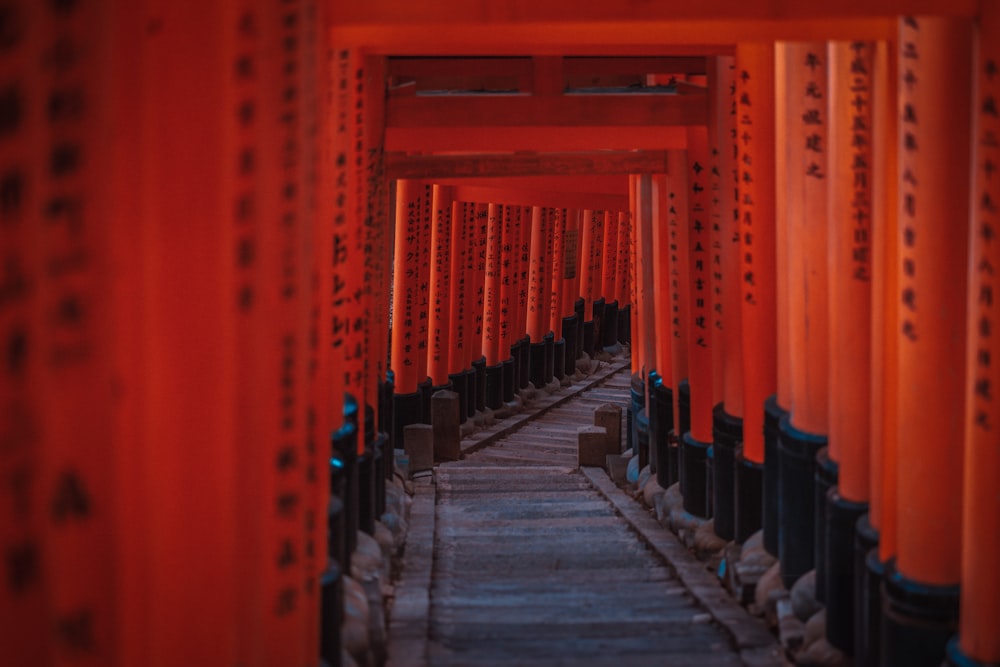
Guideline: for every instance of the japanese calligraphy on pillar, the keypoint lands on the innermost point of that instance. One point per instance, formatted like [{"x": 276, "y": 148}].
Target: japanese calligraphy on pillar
[
  {"x": 479, "y": 291},
  {"x": 343, "y": 176},
  {"x": 910, "y": 177},
  {"x": 699, "y": 243},
  {"x": 983, "y": 308},
  {"x": 425, "y": 217},
  {"x": 571, "y": 247},
  {"x": 745, "y": 149},
  {"x": 506, "y": 279},
  {"x": 861, "y": 160}
]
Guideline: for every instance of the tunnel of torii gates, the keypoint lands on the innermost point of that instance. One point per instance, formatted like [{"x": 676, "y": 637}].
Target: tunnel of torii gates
[{"x": 212, "y": 212}]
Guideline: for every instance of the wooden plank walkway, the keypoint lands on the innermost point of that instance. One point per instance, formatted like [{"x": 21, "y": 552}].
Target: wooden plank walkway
[{"x": 533, "y": 564}]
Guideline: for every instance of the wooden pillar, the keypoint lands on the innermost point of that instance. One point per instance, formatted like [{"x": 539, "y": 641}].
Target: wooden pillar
[
  {"x": 609, "y": 273},
  {"x": 665, "y": 385},
  {"x": 755, "y": 129},
  {"x": 678, "y": 232},
  {"x": 634, "y": 331},
  {"x": 425, "y": 256},
  {"x": 477, "y": 359},
  {"x": 439, "y": 312},
  {"x": 538, "y": 293},
  {"x": 622, "y": 284},
  {"x": 571, "y": 289},
  {"x": 851, "y": 70},
  {"x": 557, "y": 284},
  {"x": 493, "y": 321},
  {"x": 980, "y": 604},
  {"x": 457, "y": 304},
  {"x": 921, "y": 584},
  {"x": 590, "y": 275}
]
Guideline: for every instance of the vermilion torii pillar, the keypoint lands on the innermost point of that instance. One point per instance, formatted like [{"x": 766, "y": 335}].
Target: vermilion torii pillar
[
  {"x": 662, "y": 391},
  {"x": 755, "y": 135},
  {"x": 737, "y": 480},
  {"x": 609, "y": 273},
  {"x": 492, "y": 322},
  {"x": 590, "y": 276},
  {"x": 510, "y": 247},
  {"x": 803, "y": 434},
  {"x": 477, "y": 359},
  {"x": 850, "y": 139},
  {"x": 622, "y": 281},
  {"x": 571, "y": 289},
  {"x": 558, "y": 283},
  {"x": 524, "y": 230},
  {"x": 538, "y": 294},
  {"x": 678, "y": 229},
  {"x": 978, "y": 642},
  {"x": 920, "y": 606},
  {"x": 463, "y": 215},
  {"x": 439, "y": 312}
]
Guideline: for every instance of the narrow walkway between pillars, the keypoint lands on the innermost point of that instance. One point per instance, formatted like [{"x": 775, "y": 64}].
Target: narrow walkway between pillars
[{"x": 517, "y": 557}]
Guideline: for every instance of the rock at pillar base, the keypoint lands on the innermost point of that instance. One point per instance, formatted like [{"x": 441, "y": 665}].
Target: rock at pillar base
[
  {"x": 591, "y": 446},
  {"x": 609, "y": 417},
  {"x": 445, "y": 420},
  {"x": 418, "y": 443}
]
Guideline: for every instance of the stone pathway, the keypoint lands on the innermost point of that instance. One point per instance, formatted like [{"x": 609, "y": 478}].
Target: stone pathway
[{"x": 534, "y": 564}]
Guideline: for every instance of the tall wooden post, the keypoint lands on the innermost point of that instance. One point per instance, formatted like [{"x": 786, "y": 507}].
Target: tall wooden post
[
  {"x": 495, "y": 275},
  {"x": 439, "y": 315},
  {"x": 609, "y": 273},
  {"x": 462, "y": 214},
  {"x": 538, "y": 294},
  {"x": 557, "y": 282},
  {"x": 664, "y": 386},
  {"x": 921, "y": 584},
  {"x": 622, "y": 282},
  {"x": 755, "y": 135}
]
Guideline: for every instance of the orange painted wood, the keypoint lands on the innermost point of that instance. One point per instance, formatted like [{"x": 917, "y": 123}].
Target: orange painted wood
[
  {"x": 541, "y": 195},
  {"x": 406, "y": 279},
  {"x": 189, "y": 429},
  {"x": 701, "y": 374},
  {"x": 727, "y": 323},
  {"x": 933, "y": 60},
  {"x": 783, "y": 394},
  {"x": 456, "y": 301},
  {"x": 439, "y": 307},
  {"x": 980, "y": 600},
  {"x": 622, "y": 285},
  {"x": 524, "y": 276},
  {"x": 557, "y": 221},
  {"x": 755, "y": 140},
  {"x": 402, "y": 165},
  {"x": 805, "y": 185},
  {"x": 662, "y": 360},
  {"x": 377, "y": 254},
  {"x": 494, "y": 279},
  {"x": 504, "y": 138},
  {"x": 640, "y": 109},
  {"x": 885, "y": 287},
  {"x": 679, "y": 188},
  {"x": 426, "y": 254},
  {"x": 851, "y": 91},
  {"x": 477, "y": 314},
  {"x": 508, "y": 279},
  {"x": 571, "y": 262},
  {"x": 609, "y": 256},
  {"x": 588, "y": 232},
  {"x": 538, "y": 284},
  {"x": 636, "y": 332}
]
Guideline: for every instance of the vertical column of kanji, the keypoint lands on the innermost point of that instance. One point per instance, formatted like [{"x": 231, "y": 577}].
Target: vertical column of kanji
[
  {"x": 507, "y": 297},
  {"x": 755, "y": 129},
  {"x": 634, "y": 333},
  {"x": 738, "y": 482},
  {"x": 849, "y": 237},
  {"x": 597, "y": 299},
  {"x": 803, "y": 433},
  {"x": 662, "y": 388},
  {"x": 473, "y": 308},
  {"x": 538, "y": 294},
  {"x": 587, "y": 277},
  {"x": 492, "y": 335},
  {"x": 549, "y": 339},
  {"x": 439, "y": 327},
  {"x": 876, "y": 530},
  {"x": 921, "y": 585},
  {"x": 477, "y": 356},
  {"x": 677, "y": 235},
  {"x": 609, "y": 273},
  {"x": 257, "y": 403},
  {"x": 190, "y": 145},
  {"x": 570, "y": 289},
  {"x": 423, "y": 304},
  {"x": 456, "y": 303},
  {"x": 406, "y": 277},
  {"x": 523, "y": 288},
  {"x": 980, "y": 605},
  {"x": 556, "y": 281}
]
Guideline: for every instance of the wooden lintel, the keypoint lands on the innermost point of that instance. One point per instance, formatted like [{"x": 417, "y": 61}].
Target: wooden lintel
[
  {"x": 597, "y": 201},
  {"x": 536, "y": 139},
  {"x": 399, "y": 165},
  {"x": 631, "y": 109}
]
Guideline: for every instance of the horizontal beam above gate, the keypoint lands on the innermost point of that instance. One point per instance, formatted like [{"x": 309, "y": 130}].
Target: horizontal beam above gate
[{"x": 399, "y": 165}]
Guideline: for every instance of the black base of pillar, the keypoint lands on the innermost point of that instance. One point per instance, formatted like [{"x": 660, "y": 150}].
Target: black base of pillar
[
  {"x": 525, "y": 363},
  {"x": 797, "y": 500},
  {"x": 344, "y": 460},
  {"x": 405, "y": 411},
  {"x": 684, "y": 405},
  {"x": 515, "y": 354},
  {"x": 868, "y": 571},
  {"x": 642, "y": 437},
  {"x": 383, "y": 462},
  {"x": 336, "y": 520},
  {"x": 366, "y": 491},
  {"x": 609, "y": 331},
  {"x": 559, "y": 359},
  {"x": 637, "y": 393},
  {"x": 578, "y": 307},
  {"x": 479, "y": 366},
  {"x": 674, "y": 456},
  {"x": 537, "y": 352},
  {"x": 694, "y": 476},
  {"x": 826, "y": 479},
  {"x": 509, "y": 384},
  {"x": 918, "y": 620},
  {"x": 652, "y": 405},
  {"x": 470, "y": 392},
  {"x": 588, "y": 338},
  {"x": 598, "y": 315},
  {"x": 956, "y": 658},
  {"x": 426, "y": 389},
  {"x": 459, "y": 385},
  {"x": 386, "y": 389},
  {"x": 773, "y": 414},
  {"x": 331, "y": 613},
  {"x": 727, "y": 434},
  {"x": 570, "y": 336},
  {"x": 664, "y": 406},
  {"x": 625, "y": 325},
  {"x": 841, "y": 517},
  {"x": 549, "y": 358},
  {"x": 494, "y": 386},
  {"x": 749, "y": 498}
]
